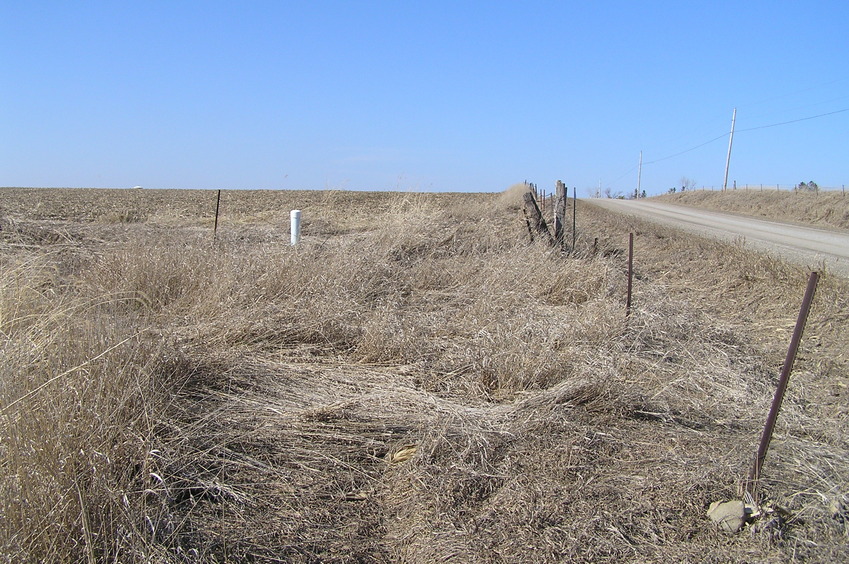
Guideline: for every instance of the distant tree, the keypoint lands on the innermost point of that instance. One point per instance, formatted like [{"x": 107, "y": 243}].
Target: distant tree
[
  {"x": 687, "y": 184},
  {"x": 807, "y": 186},
  {"x": 643, "y": 194},
  {"x": 673, "y": 190}
]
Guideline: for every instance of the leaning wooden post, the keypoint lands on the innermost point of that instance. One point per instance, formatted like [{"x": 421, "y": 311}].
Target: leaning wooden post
[
  {"x": 769, "y": 427},
  {"x": 535, "y": 216},
  {"x": 559, "y": 211},
  {"x": 528, "y": 223}
]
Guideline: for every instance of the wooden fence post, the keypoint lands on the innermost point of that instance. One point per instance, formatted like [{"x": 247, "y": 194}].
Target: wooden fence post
[
  {"x": 559, "y": 211},
  {"x": 574, "y": 217}
]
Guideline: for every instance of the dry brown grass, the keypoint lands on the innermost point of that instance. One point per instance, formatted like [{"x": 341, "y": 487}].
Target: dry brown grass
[
  {"x": 825, "y": 209},
  {"x": 164, "y": 398}
]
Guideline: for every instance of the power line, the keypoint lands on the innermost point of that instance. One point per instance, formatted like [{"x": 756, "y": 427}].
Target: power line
[
  {"x": 742, "y": 130},
  {"x": 794, "y": 120},
  {"x": 717, "y": 138},
  {"x": 687, "y": 150},
  {"x": 623, "y": 175},
  {"x": 784, "y": 95}
]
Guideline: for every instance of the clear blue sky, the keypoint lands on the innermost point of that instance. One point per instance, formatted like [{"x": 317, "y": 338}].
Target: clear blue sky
[{"x": 430, "y": 96}]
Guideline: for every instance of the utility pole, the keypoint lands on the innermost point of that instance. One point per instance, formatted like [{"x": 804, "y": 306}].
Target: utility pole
[
  {"x": 639, "y": 176},
  {"x": 728, "y": 158}
]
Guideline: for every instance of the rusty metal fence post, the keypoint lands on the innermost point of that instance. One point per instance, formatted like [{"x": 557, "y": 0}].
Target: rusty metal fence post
[
  {"x": 217, "y": 205},
  {"x": 769, "y": 427},
  {"x": 630, "y": 273}
]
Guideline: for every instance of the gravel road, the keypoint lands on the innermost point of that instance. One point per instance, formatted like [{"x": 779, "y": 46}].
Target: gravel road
[{"x": 809, "y": 246}]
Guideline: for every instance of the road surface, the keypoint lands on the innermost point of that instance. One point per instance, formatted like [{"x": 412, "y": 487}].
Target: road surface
[{"x": 809, "y": 246}]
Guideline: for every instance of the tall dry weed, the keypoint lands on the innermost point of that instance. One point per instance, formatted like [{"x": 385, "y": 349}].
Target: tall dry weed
[{"x": 78, "y": 405}]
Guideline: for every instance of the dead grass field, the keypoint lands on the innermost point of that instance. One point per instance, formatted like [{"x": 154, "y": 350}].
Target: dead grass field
[
  {"x": 415, "y": 382},
  {"x": 825, "y": 209}
]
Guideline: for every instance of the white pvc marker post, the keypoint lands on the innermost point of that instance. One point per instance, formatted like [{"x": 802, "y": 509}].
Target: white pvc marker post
[{"x": 295, "y": 222}]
